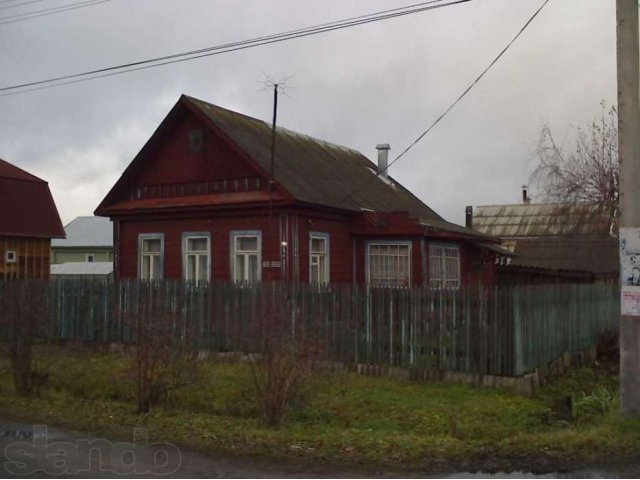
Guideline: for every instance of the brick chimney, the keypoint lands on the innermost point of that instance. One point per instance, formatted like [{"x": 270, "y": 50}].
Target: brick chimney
[
  {"x": 383, "y": 159},
  {"x": 525, "y": 195}
]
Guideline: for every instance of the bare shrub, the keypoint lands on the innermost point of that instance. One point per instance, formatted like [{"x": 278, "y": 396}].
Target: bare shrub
[
  {"x": 163, "y": 354},
  {"x": 282, "y": 354},
  {"x": 25, "y": 323}
]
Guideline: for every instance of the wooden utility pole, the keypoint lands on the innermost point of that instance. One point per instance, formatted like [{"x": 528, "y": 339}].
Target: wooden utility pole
[{"x": 629, "y": 200}]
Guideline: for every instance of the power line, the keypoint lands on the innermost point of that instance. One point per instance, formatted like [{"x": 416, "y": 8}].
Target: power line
[
  {"x": 229, "y": 47},
  {"x": 20, "y": 4},
  {"x": 20, "y": 17},
  {"x": 457, "y": 100}
]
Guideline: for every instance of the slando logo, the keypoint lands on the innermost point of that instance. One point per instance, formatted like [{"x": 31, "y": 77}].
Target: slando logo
[{"x": 91, "y": 456}]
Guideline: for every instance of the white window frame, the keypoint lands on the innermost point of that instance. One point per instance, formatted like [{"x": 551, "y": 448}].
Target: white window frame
[
  {"x": 151, "y": 236},
  {"x": 90, "y": 257},
  {"x": 185, "y": 243},
  {"x": 10, "y": 256},
  {"x": 445, "y": 283},
  {"x": 327, "y": 254},
  {"x": 371, "y": 243},
  {"x": 235, "y": 235}
]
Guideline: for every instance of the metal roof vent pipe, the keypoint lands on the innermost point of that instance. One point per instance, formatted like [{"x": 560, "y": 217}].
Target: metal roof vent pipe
[
  {"x": 383, "y": 159},
  {"x": 525, "y": 195}
]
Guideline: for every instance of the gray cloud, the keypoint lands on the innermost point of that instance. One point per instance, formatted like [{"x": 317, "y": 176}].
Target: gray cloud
[{"x": 382, "y": 82}]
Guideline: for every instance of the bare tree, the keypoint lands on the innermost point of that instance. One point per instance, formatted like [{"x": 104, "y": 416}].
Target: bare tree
[
  {"x": 588, "y": 172},
  {"x": 163, "y": 357}
]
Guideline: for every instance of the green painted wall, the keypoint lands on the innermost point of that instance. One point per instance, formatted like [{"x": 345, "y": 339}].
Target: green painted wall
[{"x": 64, "y": 255}]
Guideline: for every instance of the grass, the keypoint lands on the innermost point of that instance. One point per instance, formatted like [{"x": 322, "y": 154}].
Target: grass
[{"x": 344, "y": 418}]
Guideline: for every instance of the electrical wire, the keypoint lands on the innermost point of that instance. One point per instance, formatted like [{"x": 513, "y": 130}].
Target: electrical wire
[
  {"x": 20, "y": 4},
  {"x": 457, "y": 100},
  {"x": 20, "y": 17},
  {"x": 229, "y": 47}
]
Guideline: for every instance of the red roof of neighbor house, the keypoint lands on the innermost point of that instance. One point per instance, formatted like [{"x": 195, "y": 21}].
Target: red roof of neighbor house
[{"x": 27, "y": 208}]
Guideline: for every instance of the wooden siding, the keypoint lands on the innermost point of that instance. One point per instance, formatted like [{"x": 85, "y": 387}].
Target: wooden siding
[
  {"x": 294, "y": 228},
  {"x": 173, "y": 163},
  {"x": 33, "y": 257},
  {"x": 340, "y": 247},
  {"x": 78, "y": 254},
  {"x": 218, "y": 228}
]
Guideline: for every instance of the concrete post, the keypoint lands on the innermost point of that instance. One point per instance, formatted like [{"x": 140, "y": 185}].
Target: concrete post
[{"x": 629, "y": 154}]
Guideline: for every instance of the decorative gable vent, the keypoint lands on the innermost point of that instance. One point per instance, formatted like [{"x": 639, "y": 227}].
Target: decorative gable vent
[{"x": 195, "y": 140}]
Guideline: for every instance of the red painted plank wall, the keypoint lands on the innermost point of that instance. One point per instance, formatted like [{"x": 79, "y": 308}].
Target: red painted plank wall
[
  {"x": 340, "y": 247},
  {"x": 172, "y": 162}
]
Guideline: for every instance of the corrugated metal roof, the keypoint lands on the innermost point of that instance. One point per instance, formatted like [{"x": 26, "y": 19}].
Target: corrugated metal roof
[
  {"x": 535, "y": 220},
  {"x": 82, "y": 268},
  {"x": 87, "y": 232},
  {"x": 26, "y": 206},
  {"x": 597, "y": 254}
]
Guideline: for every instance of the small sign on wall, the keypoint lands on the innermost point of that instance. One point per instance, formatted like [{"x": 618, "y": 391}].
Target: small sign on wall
[
  {"x": 271, "y": 264},
  {"x": 630, "y": 271}
]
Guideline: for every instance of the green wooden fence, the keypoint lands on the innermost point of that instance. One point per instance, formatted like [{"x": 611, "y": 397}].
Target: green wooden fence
[{"x": 499, "y": 331}]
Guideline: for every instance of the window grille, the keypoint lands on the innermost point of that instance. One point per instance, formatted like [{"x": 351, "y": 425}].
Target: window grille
[{"x": 389, "y": 264}]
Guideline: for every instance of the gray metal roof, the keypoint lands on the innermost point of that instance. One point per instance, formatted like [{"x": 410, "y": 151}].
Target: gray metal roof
[
  {"x": 556, "y": 236},
  {"x": 592, "y": 253},
  {"x": 87, "y": 232},
  {"x": 316, "y": 171},
  {"x": 537, "y": 220},
  {"x": 82, "y": 268}
]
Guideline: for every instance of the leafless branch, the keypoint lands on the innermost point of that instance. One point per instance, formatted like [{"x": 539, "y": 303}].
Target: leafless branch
[{"x": 587, "y": 173}]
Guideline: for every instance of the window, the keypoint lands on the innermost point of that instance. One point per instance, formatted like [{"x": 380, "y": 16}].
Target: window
[
  {"x": 195, "y": 140},
  {"x": 389, "y": 264},
  {"x": 90, "y": 257},
  {"x": 196, "y": 252},
  {"x": 444, "y": 266},
  {"x": 245, "y": 256},
  {"x": 10, "y": 256},
  {"x": 151, "y": 250},
  {"x": 319, "y": 258}
]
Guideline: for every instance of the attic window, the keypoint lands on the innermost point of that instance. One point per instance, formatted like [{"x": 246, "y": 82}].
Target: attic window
[
  {"x": 10, "y": 256},
  {"x": 195, "y": 140}
]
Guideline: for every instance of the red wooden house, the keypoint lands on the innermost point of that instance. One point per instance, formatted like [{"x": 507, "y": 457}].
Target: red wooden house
[
  {"x": 202, "y": 201},
  {"x": 28, "y": 221}
]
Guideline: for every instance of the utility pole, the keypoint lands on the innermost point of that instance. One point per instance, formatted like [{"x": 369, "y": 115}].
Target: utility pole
[{"x": 629, "y": 200}]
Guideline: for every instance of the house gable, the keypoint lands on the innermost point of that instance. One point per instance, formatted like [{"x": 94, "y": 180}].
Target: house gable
[{"x": 212, "y": 170}]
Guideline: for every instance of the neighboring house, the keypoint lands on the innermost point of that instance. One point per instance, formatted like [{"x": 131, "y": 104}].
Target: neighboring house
[
  {"x": 565, "y": 241},
  {"x": 89, "y": 239},
  {"x": 28, "y": 221},
  {"x": 82, "y": 270},
  {"x": 199, "y": 203}
]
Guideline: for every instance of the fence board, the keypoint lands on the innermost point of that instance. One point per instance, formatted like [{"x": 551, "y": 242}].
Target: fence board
[{"x": 499, "y": 331}]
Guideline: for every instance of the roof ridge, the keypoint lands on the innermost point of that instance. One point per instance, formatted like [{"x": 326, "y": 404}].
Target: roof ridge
[{"x": 278, "y": 127}]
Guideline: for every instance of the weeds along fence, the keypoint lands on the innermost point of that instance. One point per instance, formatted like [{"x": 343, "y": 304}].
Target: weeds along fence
[{"x": 498, "y": 331}]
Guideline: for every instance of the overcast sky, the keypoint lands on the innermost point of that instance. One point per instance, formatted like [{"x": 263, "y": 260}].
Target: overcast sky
[{"x": 383, "y": 82}]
